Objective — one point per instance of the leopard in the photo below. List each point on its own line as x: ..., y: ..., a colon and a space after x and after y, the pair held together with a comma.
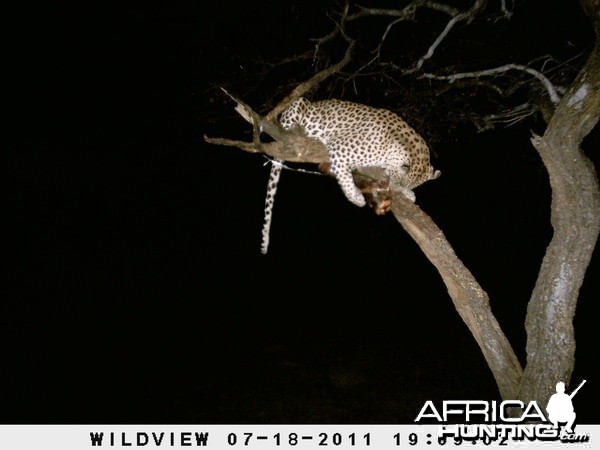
x: 358, y: 135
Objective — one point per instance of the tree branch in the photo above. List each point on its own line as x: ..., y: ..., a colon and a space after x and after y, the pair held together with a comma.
x: 552, y: 92
x: 289, y: 145
x: 316, y: 79
x: 467, y: 15
x: 508, y: 117
x: 505, y: 12
x: 297, y: 147
x: 407, y: 12
x: 469, y: 299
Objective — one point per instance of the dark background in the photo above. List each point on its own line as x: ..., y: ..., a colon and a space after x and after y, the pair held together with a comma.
x: 136, y: 292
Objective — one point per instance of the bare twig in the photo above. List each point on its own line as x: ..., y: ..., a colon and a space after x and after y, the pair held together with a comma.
x: 467, y: 15
x: 552, y: 92
x: 513, y: 115
x: 377, y: 51
x: 505, y: 12
x: 291, y: 169
x: 402, y: 14
x: 508, y: 117
x: 407, y: 11
x: 317, y: 78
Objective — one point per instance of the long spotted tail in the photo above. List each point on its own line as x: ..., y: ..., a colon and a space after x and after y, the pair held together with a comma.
x: 269, y: 203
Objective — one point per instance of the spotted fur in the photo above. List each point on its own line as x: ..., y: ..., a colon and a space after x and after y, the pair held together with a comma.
x: 357, y: 136
x: 269, y: 203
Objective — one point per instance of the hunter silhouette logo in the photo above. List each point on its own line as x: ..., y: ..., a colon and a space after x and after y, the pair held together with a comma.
x: 507, y: 420
x: 560, y: 407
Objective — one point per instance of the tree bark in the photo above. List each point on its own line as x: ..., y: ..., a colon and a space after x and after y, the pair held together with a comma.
x: 575, y: 218
x: 470, y: 300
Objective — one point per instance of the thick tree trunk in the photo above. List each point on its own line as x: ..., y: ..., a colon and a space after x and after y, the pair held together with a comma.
x: 575, y: 217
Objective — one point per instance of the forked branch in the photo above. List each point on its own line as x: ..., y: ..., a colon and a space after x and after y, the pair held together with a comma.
x: 292, y: 145
x: 470, y: 300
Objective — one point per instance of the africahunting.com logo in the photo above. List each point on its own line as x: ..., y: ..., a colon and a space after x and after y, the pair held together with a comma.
x: 510, y: 420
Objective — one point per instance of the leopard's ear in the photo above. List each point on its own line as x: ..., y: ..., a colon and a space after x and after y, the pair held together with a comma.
x: 436, y: 174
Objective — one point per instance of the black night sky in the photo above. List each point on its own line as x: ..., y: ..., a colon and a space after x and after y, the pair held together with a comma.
x: 135, y: 291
